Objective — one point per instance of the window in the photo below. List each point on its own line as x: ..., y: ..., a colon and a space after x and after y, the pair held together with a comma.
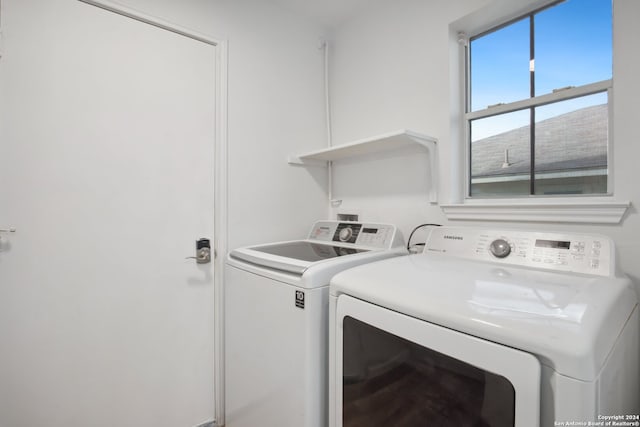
x: 537, y: 103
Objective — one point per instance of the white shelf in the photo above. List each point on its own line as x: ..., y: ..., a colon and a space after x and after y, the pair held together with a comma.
x: 389, y: 141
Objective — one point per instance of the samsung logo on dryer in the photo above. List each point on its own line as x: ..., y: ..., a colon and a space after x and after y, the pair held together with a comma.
x: 450, y: 237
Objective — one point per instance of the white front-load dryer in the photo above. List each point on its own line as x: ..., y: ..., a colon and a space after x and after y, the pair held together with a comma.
x: 487, y: 328
x: 276, y: 321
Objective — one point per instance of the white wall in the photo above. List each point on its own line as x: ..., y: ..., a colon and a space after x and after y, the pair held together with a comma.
x: 276, y: 108
x: 390, y: 70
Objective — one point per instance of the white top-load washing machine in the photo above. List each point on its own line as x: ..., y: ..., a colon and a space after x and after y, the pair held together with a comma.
x: 276, y: 321
x: 486, y: 328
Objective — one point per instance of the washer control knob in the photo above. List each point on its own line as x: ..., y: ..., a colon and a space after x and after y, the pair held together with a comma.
x: 500, y: 248
x: 345, y: 234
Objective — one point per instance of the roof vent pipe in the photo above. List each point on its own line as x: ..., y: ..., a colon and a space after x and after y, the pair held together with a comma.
x: 506, y: 163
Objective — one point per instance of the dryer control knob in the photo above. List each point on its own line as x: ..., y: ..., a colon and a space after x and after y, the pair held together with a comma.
x: 345, y: 234
x: 500, y: 248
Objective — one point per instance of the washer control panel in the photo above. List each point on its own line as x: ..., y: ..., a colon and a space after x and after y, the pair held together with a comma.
x: 383, y: 236
x: 590, y: 254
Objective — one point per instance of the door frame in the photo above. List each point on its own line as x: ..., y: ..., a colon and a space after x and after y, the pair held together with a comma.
x: 220, y: 209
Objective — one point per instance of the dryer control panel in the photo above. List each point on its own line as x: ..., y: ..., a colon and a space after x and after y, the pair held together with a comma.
x: 382, y: 236
x: 590, y: 254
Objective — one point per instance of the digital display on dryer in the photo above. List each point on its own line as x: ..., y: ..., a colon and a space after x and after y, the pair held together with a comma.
x: 370, y: 230
x: 554, y: 244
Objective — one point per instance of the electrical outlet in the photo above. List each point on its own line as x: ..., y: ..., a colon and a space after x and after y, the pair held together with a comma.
x: 347, y: 217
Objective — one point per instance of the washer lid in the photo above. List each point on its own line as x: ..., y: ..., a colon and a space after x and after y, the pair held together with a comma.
x: 570, y: 321
x: 328, y: 242
x: 293, y: 256
x: 307, y: 251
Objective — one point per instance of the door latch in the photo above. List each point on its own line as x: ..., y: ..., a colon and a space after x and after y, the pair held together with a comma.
x: 7, y: 231
x: 203, y: 251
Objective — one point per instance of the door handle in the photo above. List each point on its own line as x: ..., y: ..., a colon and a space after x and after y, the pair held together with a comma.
x: 203, y: 251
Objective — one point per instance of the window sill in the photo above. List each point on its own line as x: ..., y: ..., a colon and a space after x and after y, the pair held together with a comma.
x: 582, y: 212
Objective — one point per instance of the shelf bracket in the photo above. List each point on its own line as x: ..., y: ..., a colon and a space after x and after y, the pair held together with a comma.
x: 432, y: 151
x: 297, y: 161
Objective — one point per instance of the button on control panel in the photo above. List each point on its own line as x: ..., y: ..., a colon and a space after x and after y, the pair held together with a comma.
x: 551, y: 251
x: 347, y: 232
x: 500, y: 248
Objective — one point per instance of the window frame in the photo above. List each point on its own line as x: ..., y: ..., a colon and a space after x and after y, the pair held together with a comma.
x: 558, y: 95
x: 579, y: 208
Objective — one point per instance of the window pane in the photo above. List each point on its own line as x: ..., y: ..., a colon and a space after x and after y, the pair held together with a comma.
x: 571, y: 146
x: 500, y: 66
x: 573, y: 44
x: 501, y: 155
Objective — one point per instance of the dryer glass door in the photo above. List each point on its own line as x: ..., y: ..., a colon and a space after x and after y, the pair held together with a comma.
x: 399, y: 371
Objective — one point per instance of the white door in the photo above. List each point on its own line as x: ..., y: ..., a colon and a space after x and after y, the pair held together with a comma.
x: 107, y: 131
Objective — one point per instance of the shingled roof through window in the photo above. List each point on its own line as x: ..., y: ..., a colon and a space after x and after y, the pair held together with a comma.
x: 568, y: 142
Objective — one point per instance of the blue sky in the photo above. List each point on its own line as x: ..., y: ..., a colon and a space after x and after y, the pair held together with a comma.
x: 573, y: 43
